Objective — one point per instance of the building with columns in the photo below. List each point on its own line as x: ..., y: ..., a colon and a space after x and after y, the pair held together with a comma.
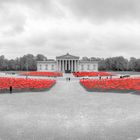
x: 67, y: 63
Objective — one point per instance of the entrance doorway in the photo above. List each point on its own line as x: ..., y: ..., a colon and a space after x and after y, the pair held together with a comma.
x: 67, y: 71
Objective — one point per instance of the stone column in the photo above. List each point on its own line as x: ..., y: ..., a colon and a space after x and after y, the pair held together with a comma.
x: 60, y: 65
x: 72, y: 65
x: 69, y: 64
x: 63, y: 66
x: 66, y: 64
x: 57, y: 65
x: 76, y: 65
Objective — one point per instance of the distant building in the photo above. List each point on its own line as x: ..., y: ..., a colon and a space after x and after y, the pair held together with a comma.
x: 67, y: 63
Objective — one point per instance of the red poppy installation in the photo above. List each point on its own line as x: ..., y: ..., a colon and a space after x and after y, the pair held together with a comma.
x: 91, y: 74
x: 19, y: 84
x: 36, y: 73
x: 126, y: 84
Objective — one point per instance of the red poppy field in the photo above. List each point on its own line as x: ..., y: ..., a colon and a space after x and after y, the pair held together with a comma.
x: 91, y: 74
x: 128, y: 84
x: 49, y: 74
x: 22, y: 84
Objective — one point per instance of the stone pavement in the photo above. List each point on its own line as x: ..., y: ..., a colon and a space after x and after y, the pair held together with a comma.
x: 68, y: 112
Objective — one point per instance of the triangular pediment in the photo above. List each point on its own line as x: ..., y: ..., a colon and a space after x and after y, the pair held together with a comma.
x: 67, y: 56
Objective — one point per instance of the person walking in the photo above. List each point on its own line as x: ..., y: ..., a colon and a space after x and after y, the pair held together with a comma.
x: 11, y: 88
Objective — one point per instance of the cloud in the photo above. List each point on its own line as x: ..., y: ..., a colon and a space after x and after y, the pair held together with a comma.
x: 82, y: 27
x: 13, y: 20
x: 104, y: 9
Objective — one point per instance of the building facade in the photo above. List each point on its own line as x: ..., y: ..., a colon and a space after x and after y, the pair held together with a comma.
x: 67, y: 63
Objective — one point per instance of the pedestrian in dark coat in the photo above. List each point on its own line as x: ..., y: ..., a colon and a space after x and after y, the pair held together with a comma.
x: 11, y: 89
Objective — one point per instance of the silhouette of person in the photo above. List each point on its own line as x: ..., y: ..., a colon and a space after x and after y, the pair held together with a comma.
x: 11, y: 89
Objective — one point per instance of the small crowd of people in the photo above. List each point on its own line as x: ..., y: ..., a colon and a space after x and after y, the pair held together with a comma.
x: 100, y: 77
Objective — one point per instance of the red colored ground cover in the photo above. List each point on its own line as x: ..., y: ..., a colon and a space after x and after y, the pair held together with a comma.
x: 91, y: 74
x: 25, y: 84
x: 36, y: 73
x: 112, y: 84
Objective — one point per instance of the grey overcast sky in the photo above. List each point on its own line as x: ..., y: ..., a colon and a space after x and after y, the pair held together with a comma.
x: 98, y: 28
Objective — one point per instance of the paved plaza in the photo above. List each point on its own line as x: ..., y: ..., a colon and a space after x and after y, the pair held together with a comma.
x: 68, y: 112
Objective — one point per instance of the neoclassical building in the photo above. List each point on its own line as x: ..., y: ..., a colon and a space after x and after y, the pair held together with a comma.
x: 67, y: 63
